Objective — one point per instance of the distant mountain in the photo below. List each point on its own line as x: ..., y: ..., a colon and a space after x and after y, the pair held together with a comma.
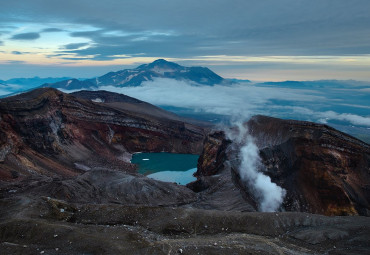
x: 319, y: 84
x: 239, y: 81
x: 16, y: 85
x: 147, y: 72
x: 32, y: 82
x: 71, y: 84
x: 284, y: 83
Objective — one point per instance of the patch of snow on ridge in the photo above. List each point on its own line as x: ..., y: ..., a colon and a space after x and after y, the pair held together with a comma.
x: 161, y: 70
x: 130, y: 77
x: 98, y: 100
x: 82, y: 167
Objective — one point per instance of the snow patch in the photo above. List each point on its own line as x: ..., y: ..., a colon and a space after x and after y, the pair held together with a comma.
x: 98, y: 100
x: 82, y: 167
x: 162, y: 70
x: 110, y: 134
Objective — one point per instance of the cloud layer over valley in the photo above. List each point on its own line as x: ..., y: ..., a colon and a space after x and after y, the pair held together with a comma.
x: 246, y: 99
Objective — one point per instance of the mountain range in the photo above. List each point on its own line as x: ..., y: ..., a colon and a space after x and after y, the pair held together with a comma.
x: 160, y: 68
x: 32, y: 82
x: 147, y: 72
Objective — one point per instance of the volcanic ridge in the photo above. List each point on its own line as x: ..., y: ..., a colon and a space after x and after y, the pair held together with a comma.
x: 67, y: 185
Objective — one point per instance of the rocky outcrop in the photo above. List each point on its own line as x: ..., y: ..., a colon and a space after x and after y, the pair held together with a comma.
x: 322, y: 170
x: 213, y: 155
x: 50, y: 133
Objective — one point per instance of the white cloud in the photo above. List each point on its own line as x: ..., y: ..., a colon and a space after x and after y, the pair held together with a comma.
x: 352, y: 118
x: 237, y: 100
x: 325, y: 116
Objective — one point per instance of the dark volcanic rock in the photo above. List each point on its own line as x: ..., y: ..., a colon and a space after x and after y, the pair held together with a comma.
x: 73, y: 190
x: 67, y: 187
x: 46, y: 225
x: 50, y: 133
x: 138, y: 107
x: 104, y: 186
x: 323, y: 170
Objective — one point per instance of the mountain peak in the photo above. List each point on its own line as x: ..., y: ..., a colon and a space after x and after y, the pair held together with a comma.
x: 159, y: 68
x: 161, y: 63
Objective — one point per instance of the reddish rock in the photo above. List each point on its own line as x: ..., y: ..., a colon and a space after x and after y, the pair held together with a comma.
x: 47, y: 132
x: 213, y: 155
x: 323, y: 170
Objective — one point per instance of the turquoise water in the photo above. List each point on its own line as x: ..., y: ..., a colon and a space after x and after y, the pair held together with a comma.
x: 168, y: 167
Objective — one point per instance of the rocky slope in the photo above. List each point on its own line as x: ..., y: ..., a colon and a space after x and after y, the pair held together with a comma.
x: 147, y: 72
x: 67, y: 187
x: 126, y: 103
x: 322, y: 170
x: 51, y: 133
x: 34, y: 224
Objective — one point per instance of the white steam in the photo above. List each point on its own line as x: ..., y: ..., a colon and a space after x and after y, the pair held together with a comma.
x: 269, y: 195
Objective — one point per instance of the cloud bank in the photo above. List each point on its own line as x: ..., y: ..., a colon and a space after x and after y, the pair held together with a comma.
x: 240, y: 100
x: 235, y: 100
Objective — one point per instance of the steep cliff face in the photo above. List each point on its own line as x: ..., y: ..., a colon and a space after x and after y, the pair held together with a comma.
x: 51, y: 133
x: 213, y: 155
x: 322, y: 170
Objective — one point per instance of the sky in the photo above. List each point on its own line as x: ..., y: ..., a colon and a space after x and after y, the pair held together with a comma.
x: 260, y: 40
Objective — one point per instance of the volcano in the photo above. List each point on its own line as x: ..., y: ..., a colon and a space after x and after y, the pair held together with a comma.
x: 67, y: 184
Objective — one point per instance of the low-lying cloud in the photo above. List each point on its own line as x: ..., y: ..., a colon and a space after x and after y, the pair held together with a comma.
x: 238, y: 100
x: 326, y: 116
x: 234, y: 100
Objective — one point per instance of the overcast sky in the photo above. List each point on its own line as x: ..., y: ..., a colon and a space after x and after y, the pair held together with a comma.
x: 249, y: 39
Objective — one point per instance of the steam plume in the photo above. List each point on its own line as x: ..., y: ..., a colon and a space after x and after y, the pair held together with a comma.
x: 269, y: 195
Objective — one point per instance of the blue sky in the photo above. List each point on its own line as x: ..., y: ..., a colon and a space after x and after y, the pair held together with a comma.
x: 247, y: 39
